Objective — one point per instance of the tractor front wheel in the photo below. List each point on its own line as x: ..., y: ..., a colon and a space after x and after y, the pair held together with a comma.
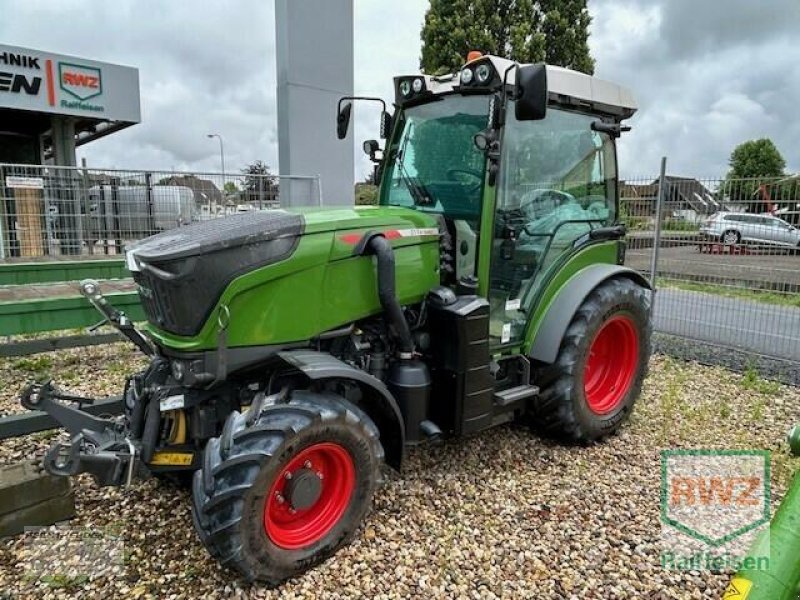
x: 281, y: 491
x: 591, y: 388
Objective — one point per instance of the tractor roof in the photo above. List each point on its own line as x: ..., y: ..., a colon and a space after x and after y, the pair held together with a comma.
x: 565, y: 86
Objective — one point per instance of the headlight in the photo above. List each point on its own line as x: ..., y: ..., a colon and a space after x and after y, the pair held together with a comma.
x: 417, y: 86
x: 466, y: 76
x: 482, y: 73
x: 405, y: 87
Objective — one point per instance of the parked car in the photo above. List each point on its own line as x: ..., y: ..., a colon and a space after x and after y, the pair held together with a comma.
x: 135, y: 213
x: 734, y: 228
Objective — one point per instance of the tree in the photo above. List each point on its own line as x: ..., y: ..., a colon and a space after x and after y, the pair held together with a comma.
x: 366, y: 192
x: 752, y: 165
x: 230, y: 187
x: 259, y: 183
x: 756, y: 158
x: 552, y: 31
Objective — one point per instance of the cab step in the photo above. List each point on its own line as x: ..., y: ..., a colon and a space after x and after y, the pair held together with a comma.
x: 511, y: 397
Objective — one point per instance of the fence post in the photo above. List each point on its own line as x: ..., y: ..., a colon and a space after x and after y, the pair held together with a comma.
x: 151, y: 224
x: 3, y: 213
x: 662, y: 186
x: 115, y: 185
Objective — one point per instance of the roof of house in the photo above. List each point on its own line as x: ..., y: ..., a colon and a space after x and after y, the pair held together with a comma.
x: 685, y: 190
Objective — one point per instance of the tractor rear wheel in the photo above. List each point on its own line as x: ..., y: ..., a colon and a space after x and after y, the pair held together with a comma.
x: 281, y: 491
x: 591, y: 388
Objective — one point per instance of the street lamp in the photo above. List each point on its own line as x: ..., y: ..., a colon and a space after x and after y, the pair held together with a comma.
x: 221, y: 151
x: 221, y: 159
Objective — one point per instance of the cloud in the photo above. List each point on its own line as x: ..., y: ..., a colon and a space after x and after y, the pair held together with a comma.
x: 708, y: 75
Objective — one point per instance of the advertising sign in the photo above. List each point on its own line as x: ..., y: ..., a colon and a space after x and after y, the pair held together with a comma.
x: 65, y: 85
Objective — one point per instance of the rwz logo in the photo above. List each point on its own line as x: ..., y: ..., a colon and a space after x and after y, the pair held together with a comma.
x: 80, y: 81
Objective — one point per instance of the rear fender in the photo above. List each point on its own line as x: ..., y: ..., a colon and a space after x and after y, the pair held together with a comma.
x: 547, y: 340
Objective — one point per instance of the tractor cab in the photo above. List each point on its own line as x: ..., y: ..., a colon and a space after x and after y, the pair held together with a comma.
x: 519, y: 161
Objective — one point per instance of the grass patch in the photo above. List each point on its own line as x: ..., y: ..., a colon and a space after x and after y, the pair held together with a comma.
x: 37, y: 366
x: 34, y: 364
x: 764, y: 296
x: 64, y: 581
x: 753, y: 382
x: 784, y: 467
x: 679, y: 225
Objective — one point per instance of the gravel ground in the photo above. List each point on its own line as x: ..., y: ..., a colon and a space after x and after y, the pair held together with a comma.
x: 502, y: 514
x: 706, y: 353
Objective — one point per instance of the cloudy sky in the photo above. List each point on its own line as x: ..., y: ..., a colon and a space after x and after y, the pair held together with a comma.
x: 708, y: 74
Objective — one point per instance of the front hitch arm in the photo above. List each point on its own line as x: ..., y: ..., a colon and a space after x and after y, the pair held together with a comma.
x: 97, y: 446
x: 116, y: 318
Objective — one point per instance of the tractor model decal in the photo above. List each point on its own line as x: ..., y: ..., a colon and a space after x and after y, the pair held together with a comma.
x: 392, y: 234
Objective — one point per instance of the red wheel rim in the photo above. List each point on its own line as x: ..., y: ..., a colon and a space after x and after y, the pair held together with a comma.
x: 293, y: 528
x: 611, y: 365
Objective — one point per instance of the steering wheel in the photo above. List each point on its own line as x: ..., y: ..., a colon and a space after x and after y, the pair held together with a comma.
x: 477, y: 176
x: 559, y: 198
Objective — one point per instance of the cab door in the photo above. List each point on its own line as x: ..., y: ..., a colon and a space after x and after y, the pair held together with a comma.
x: 557, y: 182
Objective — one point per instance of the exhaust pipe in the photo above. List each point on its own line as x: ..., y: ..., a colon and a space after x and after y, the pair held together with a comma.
x: 382, y: 249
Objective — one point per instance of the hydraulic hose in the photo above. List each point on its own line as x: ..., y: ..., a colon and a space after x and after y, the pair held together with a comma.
x: 382, y: 249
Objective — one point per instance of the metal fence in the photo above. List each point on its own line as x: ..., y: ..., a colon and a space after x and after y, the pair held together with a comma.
x: 725, y: 259
x: 724, y: 255
x: 48, y: 211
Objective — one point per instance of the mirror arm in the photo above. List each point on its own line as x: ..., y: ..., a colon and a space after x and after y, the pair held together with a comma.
x: 384, y: 113
x: 612, y: 129
x: 506, y: 95
x: 367, y: 98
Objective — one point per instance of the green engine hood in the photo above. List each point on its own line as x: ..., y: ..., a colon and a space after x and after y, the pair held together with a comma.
x: 318, y: 220
x: 322, y: 284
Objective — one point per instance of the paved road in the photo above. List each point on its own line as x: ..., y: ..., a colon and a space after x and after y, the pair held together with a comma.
x: 753, y: 326
x: 775, y: 271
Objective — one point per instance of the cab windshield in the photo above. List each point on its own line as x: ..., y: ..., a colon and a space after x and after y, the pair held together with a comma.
x: 433, y: 165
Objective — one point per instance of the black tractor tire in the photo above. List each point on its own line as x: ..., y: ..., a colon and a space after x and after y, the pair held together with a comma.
x: 568, y: 405
x: 253, y: 455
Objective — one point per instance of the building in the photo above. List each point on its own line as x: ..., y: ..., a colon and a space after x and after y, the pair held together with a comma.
x: 684, y: 197
x: 51, y: 103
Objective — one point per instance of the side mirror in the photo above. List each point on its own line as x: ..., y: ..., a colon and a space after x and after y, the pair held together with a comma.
x: 370, y: 148
x: 386, y: 125
x: 487, y: 142
x: 481, y: 141
x: 343, y: 120
x: 531, y: 93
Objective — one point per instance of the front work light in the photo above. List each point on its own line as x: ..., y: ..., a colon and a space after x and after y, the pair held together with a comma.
x: 483, y: 73
x: 417, y: 86
x: 405, y: 87
x: 466, y: 76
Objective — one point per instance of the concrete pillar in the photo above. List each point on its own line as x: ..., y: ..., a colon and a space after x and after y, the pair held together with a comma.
x: 63, y: 141
x: 314, y: 56
x: 67, y: 198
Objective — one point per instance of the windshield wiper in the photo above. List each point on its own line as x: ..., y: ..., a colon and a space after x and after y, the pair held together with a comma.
x: 418, y: 191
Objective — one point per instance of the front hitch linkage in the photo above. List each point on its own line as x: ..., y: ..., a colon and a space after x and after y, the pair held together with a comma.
x: 97, y: 446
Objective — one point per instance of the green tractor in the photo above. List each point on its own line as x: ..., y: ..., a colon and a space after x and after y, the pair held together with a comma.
x: 295, y: 351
